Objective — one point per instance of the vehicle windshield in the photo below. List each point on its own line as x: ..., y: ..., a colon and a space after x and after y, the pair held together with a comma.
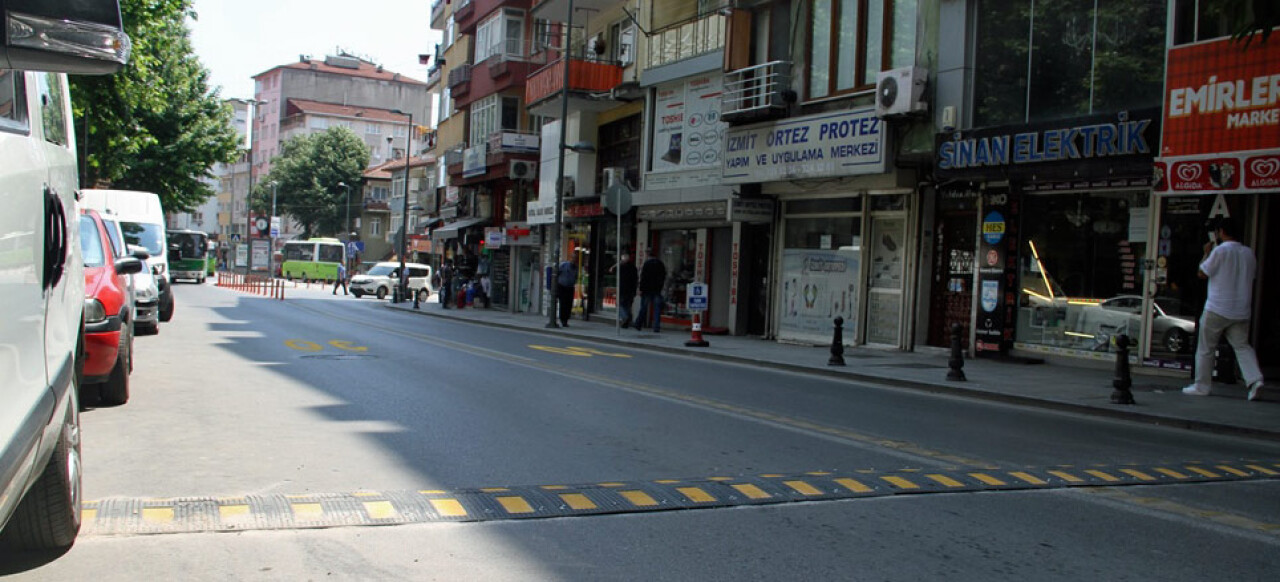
x: 91, y: 243
x: 147, y: 236
x: 190, y: 245
x: 382, y: 270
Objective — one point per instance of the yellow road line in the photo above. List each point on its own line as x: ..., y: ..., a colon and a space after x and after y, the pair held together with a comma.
x: 307, y: 510
x: 1028, y: 477
x: 1170, y: 472
x: 695, y: 494
x: 1263, y: 470
x: 803, y: 488
x: 157, y: 514
x: 577, y: 501
x: 1139, y: 474
x: 380, y: 510
x: 854, y: 485
x: 751, y: 491
x: 449, y: 507
x: 1068, y: 477
x: 1205, y: 472
x: 228, y: 512
x: 515, y: 504
x: 899, y: 482
x: 1234, y: 471
x: 985, y: 478
x: 945, y: 480
x: 638, y: 498
x: 88, y: 515
x: 1101, y: 475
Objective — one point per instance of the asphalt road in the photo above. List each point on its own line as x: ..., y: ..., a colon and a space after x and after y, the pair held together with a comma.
x: 331, y: 437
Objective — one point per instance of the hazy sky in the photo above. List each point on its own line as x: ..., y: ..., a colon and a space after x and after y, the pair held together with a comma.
x: 237, y: 39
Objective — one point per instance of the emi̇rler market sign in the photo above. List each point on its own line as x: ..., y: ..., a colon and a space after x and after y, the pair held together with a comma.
x: 827, y: 145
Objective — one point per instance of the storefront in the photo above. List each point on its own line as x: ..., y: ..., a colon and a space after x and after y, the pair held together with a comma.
x: 1063, y: 221
x: 1219, y: 158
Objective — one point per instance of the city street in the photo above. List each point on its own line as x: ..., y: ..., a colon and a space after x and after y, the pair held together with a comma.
x: 329, y: 437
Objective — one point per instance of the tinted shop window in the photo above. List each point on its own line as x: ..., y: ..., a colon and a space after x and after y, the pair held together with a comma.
x: 1080, y: 268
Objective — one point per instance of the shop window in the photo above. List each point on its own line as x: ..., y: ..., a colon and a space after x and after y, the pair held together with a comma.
x: 1039, y: 61
x: 1081, y: 269
x: 678, y: 250
x: 619, y: 147
x: 821, y: 266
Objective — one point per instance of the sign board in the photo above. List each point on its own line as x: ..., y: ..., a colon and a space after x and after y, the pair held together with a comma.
x: 520, y: 142
x: 844, y: 143
x: 750, y: 210
x: 696, y: 296
x: 687, y: 128
x: 475, y: 161
x: 275, y: 226
x: 354, y: 247
x: 261, y: 249
x: 617, y: 199
x: 541, y: 212
x: 494, y: 236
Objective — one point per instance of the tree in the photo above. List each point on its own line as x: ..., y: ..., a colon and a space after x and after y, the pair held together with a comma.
x: 155, y: 125
x: 306, y: 175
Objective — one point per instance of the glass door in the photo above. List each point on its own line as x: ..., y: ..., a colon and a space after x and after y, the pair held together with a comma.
x: 885, y: 280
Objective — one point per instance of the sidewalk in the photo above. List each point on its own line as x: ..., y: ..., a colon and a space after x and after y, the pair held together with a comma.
x: 1049, y: 385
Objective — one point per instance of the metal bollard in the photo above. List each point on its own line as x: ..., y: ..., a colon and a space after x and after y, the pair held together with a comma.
x: 1123, y: 381
x: 837, y: 344
x: 956, y: 363
x: 416, y: 301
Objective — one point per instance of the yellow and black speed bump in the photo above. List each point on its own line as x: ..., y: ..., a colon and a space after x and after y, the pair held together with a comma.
x: 256, y: 512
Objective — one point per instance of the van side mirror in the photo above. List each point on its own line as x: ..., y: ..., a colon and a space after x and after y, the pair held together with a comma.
x: 63, y: 36
x: 139, y: 252
x: 128, y: 265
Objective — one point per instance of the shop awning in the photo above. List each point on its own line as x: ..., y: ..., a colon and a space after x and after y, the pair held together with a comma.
x: 452, y: 229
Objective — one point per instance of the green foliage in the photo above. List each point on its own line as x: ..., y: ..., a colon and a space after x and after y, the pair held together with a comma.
x: 306, y: 176
x: 155, y: 125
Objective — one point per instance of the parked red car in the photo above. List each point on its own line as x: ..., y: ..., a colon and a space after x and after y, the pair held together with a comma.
x: 108, y: 313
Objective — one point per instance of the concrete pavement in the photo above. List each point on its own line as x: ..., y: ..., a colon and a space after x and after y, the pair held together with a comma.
x: 1078, y: 388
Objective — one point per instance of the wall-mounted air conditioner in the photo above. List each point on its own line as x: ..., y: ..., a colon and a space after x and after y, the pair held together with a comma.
x: 901, y: 91
x: 614, y: 176
x: 523, y: 170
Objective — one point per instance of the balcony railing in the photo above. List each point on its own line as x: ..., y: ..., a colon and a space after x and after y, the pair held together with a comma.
x: 685, y: 40
x: 459, y: 77
x: 588, y: 76
x: 434, y: 74
x: 756, y: 91
x: 437, y: 9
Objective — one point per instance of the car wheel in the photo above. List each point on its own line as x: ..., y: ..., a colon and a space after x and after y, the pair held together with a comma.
x: 166, y: 311
x: 49, y: 516
x: 1175, y: 340
x: 116, y: 390
x: 358, y: 294
x: 382, y: 292
x: 146, y: 328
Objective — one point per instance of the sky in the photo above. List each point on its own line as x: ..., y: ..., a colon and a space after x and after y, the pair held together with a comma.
x: 237, y: 39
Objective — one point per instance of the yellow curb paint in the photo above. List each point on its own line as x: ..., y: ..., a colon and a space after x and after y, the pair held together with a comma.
x: 611, y: 484
x: 494, y: 489
x: 515, y: 504
x: 945, y: 480
x: 1170, y: 472
x: 380, y: 510
x: 1204, y: 472
x: 88, y: 515
x: 818, y: 473
x: 638, y: 498
x: 449, y: 507
x: 719, y: 478
x: 771, y: 475
x: 554, y: 487
x: 307, y: 510
x: 1104, y: 476
x: 1261, y: 469
x: 899, y: 482
x: 1028, y: 477
x: 433, y: 492
x: 853, y: 485
x: 1139, y: 474
x: 985, y: 478
x: 577, y: 501
x: 232, y: 511
x: 751, y: 491
x: 1065, y: 476
x: 1233, y: 471
x: 667, y: 481
x: 803, y: 488
x: 157, y: 514
x: 696, y: 494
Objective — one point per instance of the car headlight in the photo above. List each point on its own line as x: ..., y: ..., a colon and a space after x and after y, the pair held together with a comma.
x: 145, y: 294
x: 94, y: 312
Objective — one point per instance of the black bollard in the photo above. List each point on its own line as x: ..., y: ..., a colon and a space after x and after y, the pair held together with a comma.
x: 956, y: 363
x: 416, y: 294
x: 1122, y: 382
x: 837, y: 344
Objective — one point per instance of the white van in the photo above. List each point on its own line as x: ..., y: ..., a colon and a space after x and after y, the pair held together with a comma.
x: 142, y: 221
x: 42, y: 279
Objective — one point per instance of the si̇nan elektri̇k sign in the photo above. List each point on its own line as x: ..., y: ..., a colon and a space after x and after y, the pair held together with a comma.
x: 1221, y: 118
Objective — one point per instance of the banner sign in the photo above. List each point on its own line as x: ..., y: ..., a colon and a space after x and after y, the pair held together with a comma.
x: 687, y: 127
x: 828, y: 145
x: 475, y: 161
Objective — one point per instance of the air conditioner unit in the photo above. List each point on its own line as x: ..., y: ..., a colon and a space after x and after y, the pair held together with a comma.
x: 522, y: 170
x: 614, y: 176
x: 901, y: 91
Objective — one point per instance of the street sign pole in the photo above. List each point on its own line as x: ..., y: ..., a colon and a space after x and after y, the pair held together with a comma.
x: 617, y: 199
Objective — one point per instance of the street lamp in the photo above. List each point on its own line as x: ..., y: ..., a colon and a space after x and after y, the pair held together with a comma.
x: 253, y: 105
x: 271, y: 234
x: 346, y: 225
x: 404, y: 223
x: 554, y: 304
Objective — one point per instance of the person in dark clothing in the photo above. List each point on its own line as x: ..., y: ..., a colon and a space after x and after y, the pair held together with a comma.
x: 341, y: 280
x: 566, y: 278
x: 628, y: 279
x: 653, y: 275
x: 446, y: 284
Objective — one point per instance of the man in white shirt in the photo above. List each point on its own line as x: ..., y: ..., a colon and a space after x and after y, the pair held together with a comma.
x: 1230, y: 268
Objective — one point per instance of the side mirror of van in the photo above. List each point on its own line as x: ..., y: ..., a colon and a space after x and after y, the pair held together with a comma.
x: 63, y: 36
x: 129, y: 265
x: 139, y: 252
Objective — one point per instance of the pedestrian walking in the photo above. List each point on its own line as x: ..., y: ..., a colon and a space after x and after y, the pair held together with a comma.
x: 653, y: 275
x: 446, y: 284
x: 628, y: 279
x: 1230, y: 268
x: 566, y: 279
x: 341, y: 281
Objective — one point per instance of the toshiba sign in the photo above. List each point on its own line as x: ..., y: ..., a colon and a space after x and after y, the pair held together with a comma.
x: 1222, y: 118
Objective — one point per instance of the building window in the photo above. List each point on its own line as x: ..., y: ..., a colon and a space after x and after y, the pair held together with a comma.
x: 372, y: 128
x: 491, y: 114
x: 501, y: 35
x: 318, y: 123
x: 375, y: 226
x: 1053, y: 61
x: 852, y: 40
x: 446, y: 105
x: 449, y: 32
x: 379, y: 193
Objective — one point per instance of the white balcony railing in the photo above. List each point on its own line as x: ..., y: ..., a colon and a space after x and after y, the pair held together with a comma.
x: 686, y: 40
x: 756, y: 89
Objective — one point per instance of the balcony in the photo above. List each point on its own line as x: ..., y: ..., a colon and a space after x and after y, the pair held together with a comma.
x: 437, y: 14
x: 757, y: 93
x: 585, y: 77
x: 464, y: 10
x: 468, y: 13
x: 460, y: 80
x: 558, y: 10
x: 686, y: 40
x: 433, y: 76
